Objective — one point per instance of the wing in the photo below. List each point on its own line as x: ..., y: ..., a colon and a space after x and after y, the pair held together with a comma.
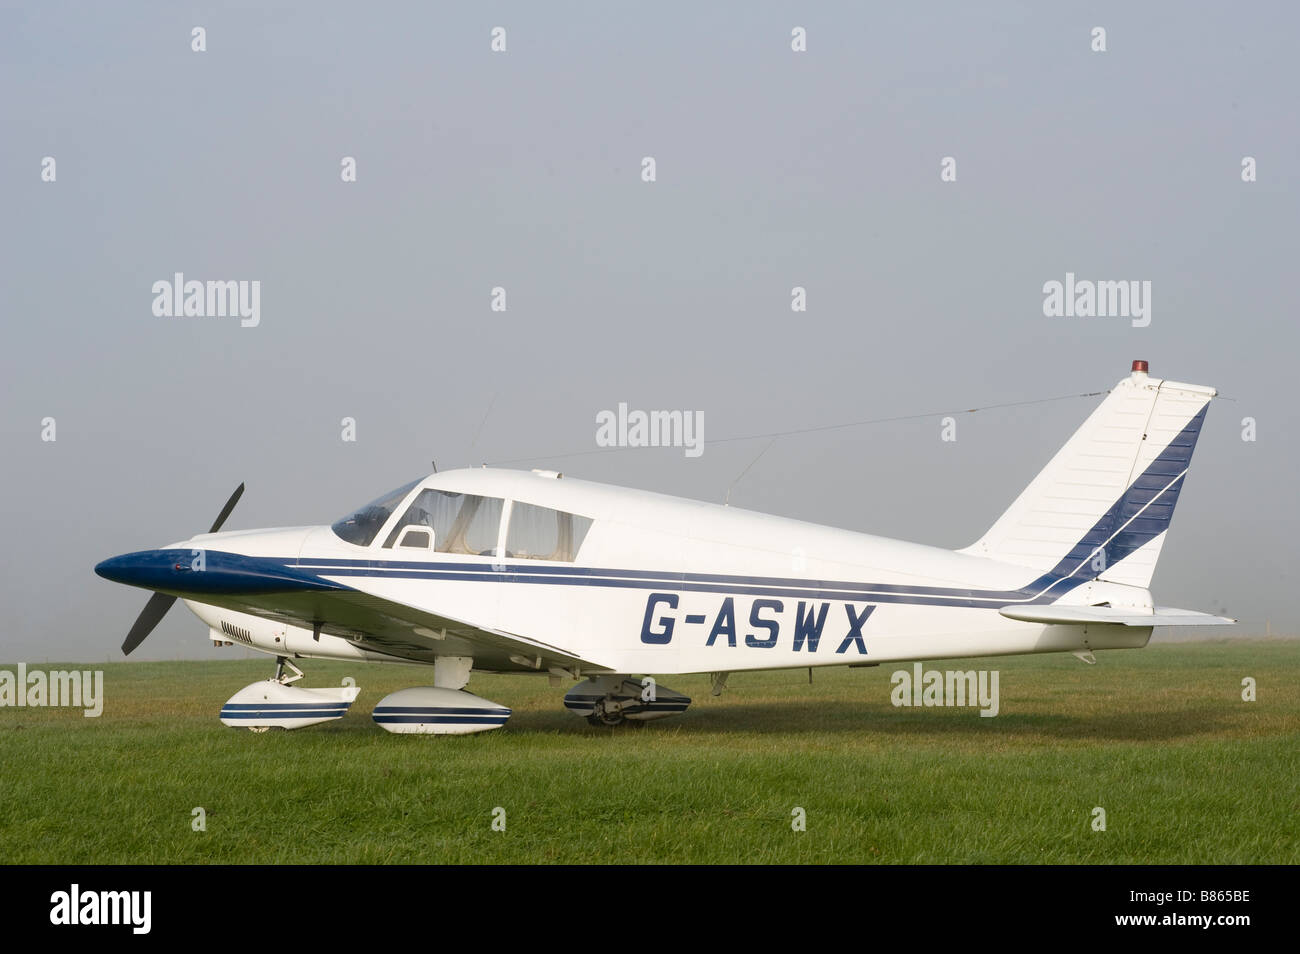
x: 383, y: 625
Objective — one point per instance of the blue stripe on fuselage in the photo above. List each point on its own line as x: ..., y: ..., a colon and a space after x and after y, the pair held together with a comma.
x: 697, y: 583
x: 1141, y: 513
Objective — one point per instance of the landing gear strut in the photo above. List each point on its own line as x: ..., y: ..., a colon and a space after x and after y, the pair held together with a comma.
x: 280, y: 677
x: 280, y: 663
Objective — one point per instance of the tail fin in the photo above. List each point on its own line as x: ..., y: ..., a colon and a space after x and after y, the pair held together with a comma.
x: 1101, y: 507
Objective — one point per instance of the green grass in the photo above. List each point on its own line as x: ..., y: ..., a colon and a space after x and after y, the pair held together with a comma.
x: 1186, y: 771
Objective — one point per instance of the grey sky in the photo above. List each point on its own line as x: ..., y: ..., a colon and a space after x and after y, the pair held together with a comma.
x: 521, y: 169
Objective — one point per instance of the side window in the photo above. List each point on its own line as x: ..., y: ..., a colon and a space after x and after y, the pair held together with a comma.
x: 461, y: 523
x: 539, y: 533
x: 484, y: 524
x: 415, y: 537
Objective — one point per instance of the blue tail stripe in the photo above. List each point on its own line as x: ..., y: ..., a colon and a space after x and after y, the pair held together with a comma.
x: 1152, y: 483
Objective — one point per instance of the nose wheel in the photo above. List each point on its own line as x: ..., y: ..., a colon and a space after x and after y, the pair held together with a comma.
x: 278, y: 704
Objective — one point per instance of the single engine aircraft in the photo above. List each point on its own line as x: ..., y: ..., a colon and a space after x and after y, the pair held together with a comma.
x: 508, y: 571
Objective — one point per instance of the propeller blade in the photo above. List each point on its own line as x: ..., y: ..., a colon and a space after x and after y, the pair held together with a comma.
x: 149, y: 617
x: 225, y: 511
x: 160, y: 603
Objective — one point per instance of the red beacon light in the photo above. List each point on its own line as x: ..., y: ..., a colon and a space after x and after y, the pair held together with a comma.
x: 1140, y: 366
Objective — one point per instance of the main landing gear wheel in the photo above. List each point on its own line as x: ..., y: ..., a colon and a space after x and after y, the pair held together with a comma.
x: 610, y: 700
x: 602, y: 715
x: 610, y: 715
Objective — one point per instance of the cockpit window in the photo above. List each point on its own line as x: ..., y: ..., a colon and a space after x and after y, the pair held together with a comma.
x: 461, y: 523
x: 361, y: 526
x: 539, y: 533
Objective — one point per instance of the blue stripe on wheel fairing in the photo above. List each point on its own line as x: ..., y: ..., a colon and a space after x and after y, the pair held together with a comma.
x: 441, y: 710
x: 275, y: 714
x: 639, y: 707
x: 441, y: 720
x: 284, y: 705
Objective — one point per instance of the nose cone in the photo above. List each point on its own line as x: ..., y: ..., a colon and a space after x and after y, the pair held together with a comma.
x: 200, y: 572
x: 144, y: 568
x: 110, y: 569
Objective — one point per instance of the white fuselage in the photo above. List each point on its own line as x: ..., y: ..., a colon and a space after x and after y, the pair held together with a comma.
x: 668, y: 585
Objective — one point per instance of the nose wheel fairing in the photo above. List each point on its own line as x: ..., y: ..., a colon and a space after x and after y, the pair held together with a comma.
x: 274, y: 705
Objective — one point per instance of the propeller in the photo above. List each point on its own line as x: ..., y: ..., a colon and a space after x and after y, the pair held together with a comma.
x: 160, y: 603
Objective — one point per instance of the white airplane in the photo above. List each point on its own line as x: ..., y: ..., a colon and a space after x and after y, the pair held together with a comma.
x: 510, y: 571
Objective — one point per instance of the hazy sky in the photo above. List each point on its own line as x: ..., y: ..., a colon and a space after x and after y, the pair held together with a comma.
x: 522, y: 169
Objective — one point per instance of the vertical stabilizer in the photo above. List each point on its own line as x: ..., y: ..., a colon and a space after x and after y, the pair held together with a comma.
x: 1102, y: 505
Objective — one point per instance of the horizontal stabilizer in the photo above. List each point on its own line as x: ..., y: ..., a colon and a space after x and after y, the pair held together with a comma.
x: 1121, y: 616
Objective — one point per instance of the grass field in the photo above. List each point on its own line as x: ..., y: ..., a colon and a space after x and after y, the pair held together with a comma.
x: 1160, y: 738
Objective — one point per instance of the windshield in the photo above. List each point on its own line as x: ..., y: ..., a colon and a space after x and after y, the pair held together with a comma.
x: 361, y: 526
